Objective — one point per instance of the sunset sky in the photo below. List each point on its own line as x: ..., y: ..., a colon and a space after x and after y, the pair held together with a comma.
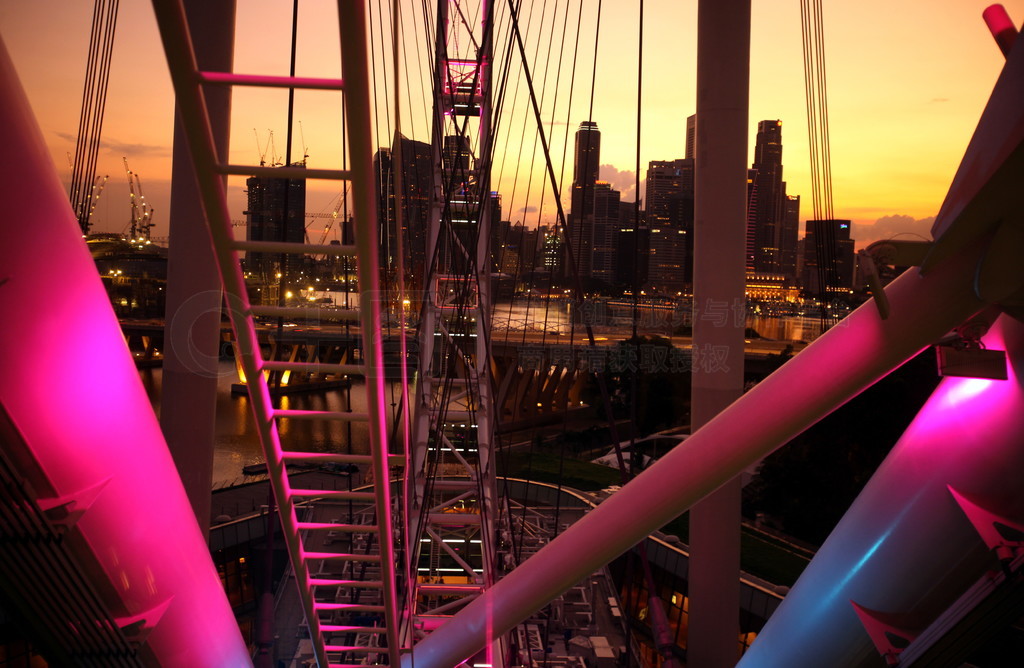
x: 907, y: 83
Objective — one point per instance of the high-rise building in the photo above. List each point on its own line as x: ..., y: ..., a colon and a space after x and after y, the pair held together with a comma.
x: 551, y: 252
x: 667, y: 180
x: 788, y: 231
x: 417, y: 181
x: 668, y: 260
x: 691, y: 136
x: 587, y: 164
x: 586, y: 168
x: 669, y: 218
x: 828, y: 259
x: 770, y: 196
x: 751, y: 229
x: 458, y: 157
x: 275, y: 211
x: 632, y: 249
x: 604, y: 230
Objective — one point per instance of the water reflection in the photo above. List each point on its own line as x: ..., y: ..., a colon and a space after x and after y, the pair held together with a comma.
x: 236, y: 440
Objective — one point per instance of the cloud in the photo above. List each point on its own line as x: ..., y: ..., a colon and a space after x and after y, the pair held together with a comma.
x: 137, y: 150
x: 528, y: 209
x: 123, y: 148
x: 622, y: 180
x: 940, y: 99
x: 888, y: 227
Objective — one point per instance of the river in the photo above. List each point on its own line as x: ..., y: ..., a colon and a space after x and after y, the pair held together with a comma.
x: 236, y: 442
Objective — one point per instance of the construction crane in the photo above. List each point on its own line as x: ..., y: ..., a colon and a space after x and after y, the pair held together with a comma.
x: 98, y: 184
x: 331, y: 217
x: 141, y: 220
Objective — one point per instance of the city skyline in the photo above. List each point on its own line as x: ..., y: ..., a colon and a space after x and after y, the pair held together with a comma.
x: 902, y: 103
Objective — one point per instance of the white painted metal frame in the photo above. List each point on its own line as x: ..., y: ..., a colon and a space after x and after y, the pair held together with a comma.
x: 211, y: 174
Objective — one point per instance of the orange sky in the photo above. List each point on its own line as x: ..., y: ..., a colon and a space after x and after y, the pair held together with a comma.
x: 907, y: 83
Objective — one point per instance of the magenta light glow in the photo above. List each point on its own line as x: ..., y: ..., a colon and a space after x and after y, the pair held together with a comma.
x: 72, y: 391
x: 905, y: 547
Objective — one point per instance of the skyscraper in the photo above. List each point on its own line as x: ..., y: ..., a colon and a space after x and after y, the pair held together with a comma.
x: 604, y: 230
x: 828, y: 262
x: 770, y: 196
x: 670, y: 189
x: 417, y: 181
x: 587, y: 164
x: 788, y: 231
x: 691, y: 136
x: 275, y: 211
x: 586, y: 168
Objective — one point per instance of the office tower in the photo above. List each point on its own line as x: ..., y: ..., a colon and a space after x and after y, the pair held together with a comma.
x: 632, y: 248
x: 770, y: 196
x: 552, y: 252
x: 275, y: 211
x: 586, y: 168
x: 587, y: 164
x: 457, y: 158
x: 691, y: 136
x: 669, y: 218
x: 667, y: 180
x: 751, y: 241
x: 604, y: 230
x: 788, y: 231
x: 828, y: 259
x: 417, y: 181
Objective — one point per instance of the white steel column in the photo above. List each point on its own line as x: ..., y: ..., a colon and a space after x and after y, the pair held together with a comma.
x: 192, y: 329
x: 720, y: 214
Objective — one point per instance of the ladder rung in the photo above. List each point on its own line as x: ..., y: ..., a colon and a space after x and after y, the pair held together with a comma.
x: 333, y: 526
x: 354, y: 584
x: 344, y: 416
x: 336, y: 628
x: 285, y: 172
x: 342, y: 556
x: 293, y: 248
x: 266, y: 81
x: 355, y: 649
x: 307, y: 313
x: 293, y: 457
x: 339, y: 494
x: 354, y: 607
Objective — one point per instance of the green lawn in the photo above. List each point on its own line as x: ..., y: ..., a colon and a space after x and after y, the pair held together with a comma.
x: 542, y: 467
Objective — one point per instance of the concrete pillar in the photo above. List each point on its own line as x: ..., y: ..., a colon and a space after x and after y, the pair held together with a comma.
x: 192, y: 330
x: 723, y: 74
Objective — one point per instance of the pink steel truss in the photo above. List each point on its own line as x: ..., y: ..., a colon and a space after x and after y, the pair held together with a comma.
x: 87, y: 452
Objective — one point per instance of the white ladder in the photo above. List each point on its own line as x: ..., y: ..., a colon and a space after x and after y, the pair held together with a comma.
x: 325, y: 617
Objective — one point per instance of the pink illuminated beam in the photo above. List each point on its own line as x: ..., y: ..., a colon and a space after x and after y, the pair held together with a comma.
x: 1001, y: 27
x: 905, y: 548
x: 78, y: 405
